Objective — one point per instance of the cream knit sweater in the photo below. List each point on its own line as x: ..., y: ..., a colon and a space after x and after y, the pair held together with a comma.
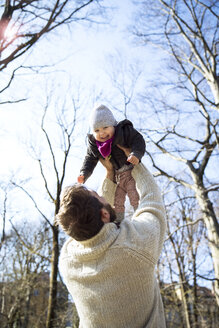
x: 111, y: 276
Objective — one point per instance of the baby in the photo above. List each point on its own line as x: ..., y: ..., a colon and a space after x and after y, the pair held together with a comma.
x: 107, y: 134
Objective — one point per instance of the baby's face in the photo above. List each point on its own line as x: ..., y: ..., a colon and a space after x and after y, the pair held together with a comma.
x: 103, y: 134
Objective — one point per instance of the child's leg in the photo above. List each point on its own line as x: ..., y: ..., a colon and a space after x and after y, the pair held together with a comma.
x: 131, y: 190
x: 120, y: 195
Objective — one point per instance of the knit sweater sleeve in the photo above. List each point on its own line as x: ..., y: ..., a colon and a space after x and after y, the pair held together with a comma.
x: 149, y: 219
x: 108, y: 190
x: 149, y: 192
x: 147, y: 228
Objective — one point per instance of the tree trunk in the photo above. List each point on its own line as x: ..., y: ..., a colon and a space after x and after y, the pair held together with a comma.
x: 183, y: 286
x: 50, y: 321
x: 185, y: 304
x: 212, y: 225
x: 214, y: 85
x: 27, y: 307
x: 195, y: 295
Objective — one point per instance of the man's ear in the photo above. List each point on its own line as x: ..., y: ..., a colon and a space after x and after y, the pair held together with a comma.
x: 105, y: 216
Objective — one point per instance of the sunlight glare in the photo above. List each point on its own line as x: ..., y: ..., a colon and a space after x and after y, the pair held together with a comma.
x: 10, y: 33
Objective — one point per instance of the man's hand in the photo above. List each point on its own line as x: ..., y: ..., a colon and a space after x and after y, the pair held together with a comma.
x: 127, y: 151
x: 130, y: 158
x: 109, y: 168
x: 107, y: 164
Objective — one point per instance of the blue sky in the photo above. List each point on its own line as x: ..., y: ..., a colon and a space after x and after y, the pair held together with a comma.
x: 78, y: 57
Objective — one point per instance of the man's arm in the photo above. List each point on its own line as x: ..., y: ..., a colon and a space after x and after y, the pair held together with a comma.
x: 108, y: 187
x: 147, y: 188
x: 150, y: 218
x: 149, y: 192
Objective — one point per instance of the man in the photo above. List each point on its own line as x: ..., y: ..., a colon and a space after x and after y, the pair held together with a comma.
x: 108, y: 269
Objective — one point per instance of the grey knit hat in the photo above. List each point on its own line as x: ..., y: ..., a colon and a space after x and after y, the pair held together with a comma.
x: 101, y: 116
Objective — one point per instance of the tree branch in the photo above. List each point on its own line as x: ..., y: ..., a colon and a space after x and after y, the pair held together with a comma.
x: 34, y: 202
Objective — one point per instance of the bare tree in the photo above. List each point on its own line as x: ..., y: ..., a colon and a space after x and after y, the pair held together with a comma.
x: 59, y: 151
x: 28, y: 21
x: 25, y: 257
x: 185, y: 240
x: 25, y: 23
x: 125, y: 76
x: 184, y: 259
x: 191, y: 36
x: 3, y: 215
x: 187, y: 122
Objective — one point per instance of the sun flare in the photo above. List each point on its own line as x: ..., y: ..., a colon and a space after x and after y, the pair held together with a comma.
x: 10, y: 33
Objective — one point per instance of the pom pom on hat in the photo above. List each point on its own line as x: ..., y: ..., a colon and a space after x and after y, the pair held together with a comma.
x: 101, y: 116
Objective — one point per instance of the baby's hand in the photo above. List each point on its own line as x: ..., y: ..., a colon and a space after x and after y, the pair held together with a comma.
x: 81, y: 179
x: 133, y: 159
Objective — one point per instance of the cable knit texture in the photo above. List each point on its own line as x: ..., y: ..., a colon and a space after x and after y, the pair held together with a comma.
x: 111, y: 276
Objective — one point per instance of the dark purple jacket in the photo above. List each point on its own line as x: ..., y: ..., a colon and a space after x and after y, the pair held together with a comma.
x: 126, y: 136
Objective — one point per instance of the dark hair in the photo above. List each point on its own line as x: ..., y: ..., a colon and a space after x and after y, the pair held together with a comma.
x: 80, y: 213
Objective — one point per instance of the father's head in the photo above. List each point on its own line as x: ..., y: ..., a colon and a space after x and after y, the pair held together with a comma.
x: 83, y: 212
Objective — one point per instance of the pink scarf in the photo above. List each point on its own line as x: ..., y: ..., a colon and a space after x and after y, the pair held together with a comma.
x: 105, y: 147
